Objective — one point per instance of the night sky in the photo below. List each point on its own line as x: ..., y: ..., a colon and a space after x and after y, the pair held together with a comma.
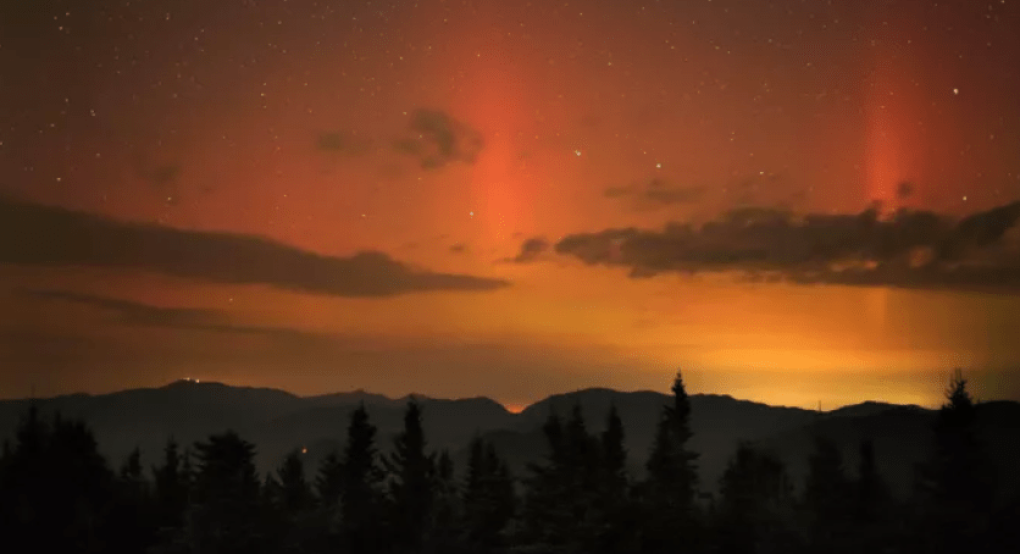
x: 794, y: 201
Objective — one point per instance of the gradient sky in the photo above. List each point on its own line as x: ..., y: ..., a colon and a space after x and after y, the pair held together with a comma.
x: 792, y: 201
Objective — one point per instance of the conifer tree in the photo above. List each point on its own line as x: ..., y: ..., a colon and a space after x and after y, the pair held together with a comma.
x: 756, y: 491
x: 671, y: 486
x: 874, y: 520
x: 489, y: 496
x: 187, y: 471
x: 131, y: 470
x: 547, y: 517
x: 135, y: 509
x: 614, y: 456
x: 56, y: 490
x: 446, y: 507
x: 361, y: 500
x: 872, y: 492
x: 672, y: 466
x: 954, y: 488
x: 411, y: 486
x: 170, y: 488
x: 296, y: 494
x: 502, y: 489
x: 329, y: 481
x: 827, y: 497
x: 617, y: 517
x: 226, y: 470
x: 584, y: 474
x: 227, y: 497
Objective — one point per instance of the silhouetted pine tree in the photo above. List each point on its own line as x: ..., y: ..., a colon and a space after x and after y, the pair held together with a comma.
x: 488, y: 497
x: 547, y: 516
x: 476, y: 501
x: 56, y: 491
x: 135, y: 512
x: 290, y: 507
x: 188, y: 471
x: 170, y: 488
x: 618, y: 521
x: 362, y: 499
x: 296, y: 492
x: 670, y: 488
x: 226, y: 511
x: 872, y: 513
x: 871, y: 490
x: 503, y: 491
x: 827, y: 498
x: 954, y: 486
x: 756, y: 497
x: 614, y: 457
x: 411, y: 484
x: 562, y: 507
x: 445, y: 524
x: 329, y: 481
x: 329, y: 486
x: 585, y: 473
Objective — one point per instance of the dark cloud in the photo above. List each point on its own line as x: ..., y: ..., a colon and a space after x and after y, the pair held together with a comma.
x: 437, y: 139
x: 458, y: 248
x: 530, y: 250
x: 132, y: 313
x: 342, y: 143
x: 904, y: 190
x: 160, y: 172
x: 32, y: 234
x: 916, y: 249
x: 656, y: 193
x: 164, y: 178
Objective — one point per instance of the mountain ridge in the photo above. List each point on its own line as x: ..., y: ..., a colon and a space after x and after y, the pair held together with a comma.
x: 358, y: 394
x: 278, y: 422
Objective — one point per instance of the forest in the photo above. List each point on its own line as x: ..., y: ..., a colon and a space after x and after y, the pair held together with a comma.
x: 59, y: 494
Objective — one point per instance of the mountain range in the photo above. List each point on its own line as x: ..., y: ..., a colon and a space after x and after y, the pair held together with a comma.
x: 278, y: 422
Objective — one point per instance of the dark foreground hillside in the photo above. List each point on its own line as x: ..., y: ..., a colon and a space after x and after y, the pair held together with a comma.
x: 591, y: 471
x: 279, y: 422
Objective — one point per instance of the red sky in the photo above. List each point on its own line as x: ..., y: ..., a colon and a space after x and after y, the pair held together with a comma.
x: 441, y: 136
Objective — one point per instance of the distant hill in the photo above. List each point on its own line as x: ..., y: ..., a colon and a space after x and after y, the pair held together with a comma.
x: 278, y: 422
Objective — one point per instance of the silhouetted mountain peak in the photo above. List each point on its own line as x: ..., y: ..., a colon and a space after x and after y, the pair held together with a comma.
x: 353, y: 398
x: 869, y: 407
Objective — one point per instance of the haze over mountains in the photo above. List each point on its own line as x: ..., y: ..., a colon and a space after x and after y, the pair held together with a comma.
x: 278, y: 422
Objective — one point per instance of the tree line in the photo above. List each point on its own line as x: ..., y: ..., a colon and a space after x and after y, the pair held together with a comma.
x: 58, y: 494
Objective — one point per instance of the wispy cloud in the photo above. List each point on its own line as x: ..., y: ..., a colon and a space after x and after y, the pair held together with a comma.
x: 38, y: 235
x: 531, y: 250
x: 342, y: 142
x: 656, y: 193
x: 128, y: 312
x: 437, y: 139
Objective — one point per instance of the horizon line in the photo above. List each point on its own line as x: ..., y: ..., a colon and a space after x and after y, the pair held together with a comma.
x: 511, y: 407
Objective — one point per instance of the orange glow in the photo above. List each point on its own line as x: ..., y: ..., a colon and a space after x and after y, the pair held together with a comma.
x: 820, y: 108
x: 891, y: 135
